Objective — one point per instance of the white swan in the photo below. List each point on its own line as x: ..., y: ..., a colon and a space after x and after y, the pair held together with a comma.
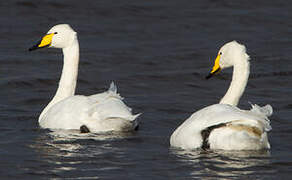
x: 223, y: 125
x: 96, y: 113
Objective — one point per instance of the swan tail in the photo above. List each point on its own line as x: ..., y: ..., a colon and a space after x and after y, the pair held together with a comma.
x: 266, y: 110
x: 113, y: 91
x: 121, y: 124
x: 131, y: 118
x: 263, y: 112
x: 113, y: 88
x: 134, y: 117
x: 110, y: 111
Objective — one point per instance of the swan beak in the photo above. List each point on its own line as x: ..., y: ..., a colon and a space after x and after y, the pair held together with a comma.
x: 44, y: 42
x: 216, y: 68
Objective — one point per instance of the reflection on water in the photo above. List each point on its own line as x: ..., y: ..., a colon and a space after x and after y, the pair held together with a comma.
x: 70, y: 142
x: 224, y: 164
x: 68, y: 150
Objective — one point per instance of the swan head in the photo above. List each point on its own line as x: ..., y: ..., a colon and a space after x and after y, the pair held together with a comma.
x: 59, y: 36
x: 227, y: 57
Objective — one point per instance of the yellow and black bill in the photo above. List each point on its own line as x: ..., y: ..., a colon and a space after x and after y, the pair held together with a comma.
x: 216, y: 68
x: 46, y: 41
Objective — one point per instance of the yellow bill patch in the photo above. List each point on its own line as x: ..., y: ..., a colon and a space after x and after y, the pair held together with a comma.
x: 46, y: 40
x: 216, y: 66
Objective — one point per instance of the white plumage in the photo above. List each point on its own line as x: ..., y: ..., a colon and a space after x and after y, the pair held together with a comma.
x: 98, y: 113
x: 223, y: 125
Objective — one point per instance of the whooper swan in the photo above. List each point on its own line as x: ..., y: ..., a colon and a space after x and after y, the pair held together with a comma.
x: 96, y: 113
x: 225, y: 126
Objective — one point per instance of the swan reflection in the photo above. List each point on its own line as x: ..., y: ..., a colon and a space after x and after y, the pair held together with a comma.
x: 223, y: 164
x: 73, y: 143
x: 65, y: 151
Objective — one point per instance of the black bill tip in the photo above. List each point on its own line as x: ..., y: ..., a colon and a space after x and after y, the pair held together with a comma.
x: 33, y: 48
x: 209, y: 76
x: 212, y: 73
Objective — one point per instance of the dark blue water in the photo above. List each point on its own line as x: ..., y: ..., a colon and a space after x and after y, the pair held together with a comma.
x: 158, y: 53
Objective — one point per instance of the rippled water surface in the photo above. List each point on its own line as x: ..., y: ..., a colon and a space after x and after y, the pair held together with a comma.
x: 158, y: 53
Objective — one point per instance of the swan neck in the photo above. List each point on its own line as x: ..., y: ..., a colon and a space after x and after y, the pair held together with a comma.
x: 240, y: 76
x: 68, y: 80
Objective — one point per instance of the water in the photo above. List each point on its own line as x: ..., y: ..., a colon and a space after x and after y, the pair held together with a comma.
x: 158, y: 52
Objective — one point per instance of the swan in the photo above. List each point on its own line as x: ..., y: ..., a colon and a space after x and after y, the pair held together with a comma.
x: 96, y: 113
x: 225, y: 126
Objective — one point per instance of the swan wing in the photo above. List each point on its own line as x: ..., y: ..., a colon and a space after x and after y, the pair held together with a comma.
x: 100, y: 112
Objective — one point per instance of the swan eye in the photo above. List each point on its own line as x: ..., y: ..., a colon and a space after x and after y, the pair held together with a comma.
x: 55, y: 32
x: 220, y: 53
